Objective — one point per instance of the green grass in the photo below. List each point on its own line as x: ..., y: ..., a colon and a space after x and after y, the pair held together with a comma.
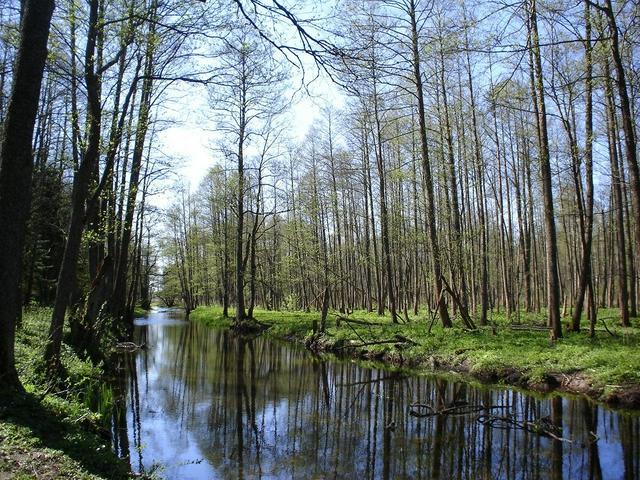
x: 605, y: 362
x: 138, y: 311
x: 49, y: 431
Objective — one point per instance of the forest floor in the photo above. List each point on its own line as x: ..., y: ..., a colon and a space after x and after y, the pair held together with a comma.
x: 605, y: 368
x: 49, y: 432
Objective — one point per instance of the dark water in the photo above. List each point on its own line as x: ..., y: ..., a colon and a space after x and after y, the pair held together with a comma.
x: 200, y: 403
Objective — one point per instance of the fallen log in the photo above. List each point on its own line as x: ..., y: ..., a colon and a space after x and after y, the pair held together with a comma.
x: 399, y: 339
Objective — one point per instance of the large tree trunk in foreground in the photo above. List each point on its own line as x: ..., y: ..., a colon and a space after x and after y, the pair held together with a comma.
x: 16, y: 165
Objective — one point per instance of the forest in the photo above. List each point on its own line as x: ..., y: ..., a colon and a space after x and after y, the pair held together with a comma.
x: 440, y: 185
x: 467, y: 172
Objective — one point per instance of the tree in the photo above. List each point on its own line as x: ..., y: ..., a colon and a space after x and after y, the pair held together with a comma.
x: 16, y: 165
x: 625, y: 107
x: 537, y: 87
x: 246, y: 95
x: 586, y: 221
x: 426, y: 168
x: 85, y: 173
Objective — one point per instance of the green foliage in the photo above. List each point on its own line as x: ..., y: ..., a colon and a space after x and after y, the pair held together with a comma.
x: 212, y: 316
x: 49, y: 431
x: 138, y: 311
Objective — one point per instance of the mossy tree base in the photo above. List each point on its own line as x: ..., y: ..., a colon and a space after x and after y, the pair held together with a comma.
x: 248, y: 326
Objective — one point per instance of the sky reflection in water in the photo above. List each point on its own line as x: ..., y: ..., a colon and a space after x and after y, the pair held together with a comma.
x: 199, y: 403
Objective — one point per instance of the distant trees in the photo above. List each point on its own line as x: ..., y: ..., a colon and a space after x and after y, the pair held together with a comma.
x: 458, y: 152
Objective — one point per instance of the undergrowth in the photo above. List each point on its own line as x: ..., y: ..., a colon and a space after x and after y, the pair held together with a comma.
x: 49, y: 431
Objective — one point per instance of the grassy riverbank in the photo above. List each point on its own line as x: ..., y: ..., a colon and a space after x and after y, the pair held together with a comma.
x: 49, y: 432
x: 605, y: 368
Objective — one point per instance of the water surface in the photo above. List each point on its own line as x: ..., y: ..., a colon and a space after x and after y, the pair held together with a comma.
x: 200, y: 403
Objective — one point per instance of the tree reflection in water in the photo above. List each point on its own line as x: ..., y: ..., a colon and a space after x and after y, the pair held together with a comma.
x: 202, y: 403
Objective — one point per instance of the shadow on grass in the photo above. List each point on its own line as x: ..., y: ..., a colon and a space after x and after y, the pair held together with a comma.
x: 79, y: 439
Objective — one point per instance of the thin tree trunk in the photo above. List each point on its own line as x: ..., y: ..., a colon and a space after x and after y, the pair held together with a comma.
x: 79, y: 194
x: 480, y: 203
x: 426, y: 171
x: 253, y: 260
x: 384, y: 216
x: 618, y: 207
x: 553, y: 282
x: 117, y: 303
x: 587, y: 237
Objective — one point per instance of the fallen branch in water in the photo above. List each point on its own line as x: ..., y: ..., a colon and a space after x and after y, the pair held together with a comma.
x: 129, y: 347
x: 453, y: 410
x: 542, y: 426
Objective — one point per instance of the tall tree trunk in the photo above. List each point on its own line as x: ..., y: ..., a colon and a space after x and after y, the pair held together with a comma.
x: 618, y: 206
x: 240, y: 264
x: 16, y: 165
x: 79, y: 194
x: 367, y: 237
x: 627, y: 116
x: 384, y: 214
x: 458, y: 271
x: 118, y: 300
x: 584, y: 282
x: 553, y: 281
x: 480, y: 203
x: 225, y: 262
x: 253, y: 264
x: 374, y: 235
x: 426, y: 172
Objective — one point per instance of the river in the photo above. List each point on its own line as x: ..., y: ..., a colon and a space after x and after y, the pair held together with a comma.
x: 200, y: 403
